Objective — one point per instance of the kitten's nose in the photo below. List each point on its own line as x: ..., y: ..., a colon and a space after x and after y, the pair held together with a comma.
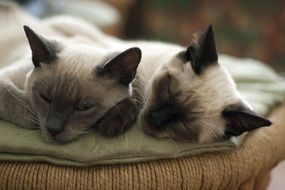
x: 54, y: 131
x: 157, y: 118
x: 54, y: 127
x: 164, y: 114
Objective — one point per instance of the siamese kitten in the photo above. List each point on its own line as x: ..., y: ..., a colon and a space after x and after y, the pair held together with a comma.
x: 67, y: 85
x: 184, y: 93
x: 63, y: 86
x: 191, y: 97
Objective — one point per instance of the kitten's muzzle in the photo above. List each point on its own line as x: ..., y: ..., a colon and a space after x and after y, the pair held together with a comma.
x: 166, y: 113
x: 54, y: 127
x: 56, y: 122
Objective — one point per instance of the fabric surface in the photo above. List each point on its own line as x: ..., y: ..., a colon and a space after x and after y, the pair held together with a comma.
x: 245, y: 168
x: 257, y: 83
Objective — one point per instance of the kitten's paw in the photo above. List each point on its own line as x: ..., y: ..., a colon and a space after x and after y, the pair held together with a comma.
x: 118, y: 119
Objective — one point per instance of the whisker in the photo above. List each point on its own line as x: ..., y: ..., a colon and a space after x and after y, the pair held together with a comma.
x: 216, y: 132
x: 33, y: 120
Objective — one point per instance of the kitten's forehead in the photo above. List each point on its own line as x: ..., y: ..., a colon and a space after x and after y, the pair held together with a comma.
x: 65, y: 87
x: 82, y: 55
x: 179, y: 68
x: 78, y: 61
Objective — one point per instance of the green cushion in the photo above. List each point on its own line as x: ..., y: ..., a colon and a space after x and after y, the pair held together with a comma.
x: 260, y: 85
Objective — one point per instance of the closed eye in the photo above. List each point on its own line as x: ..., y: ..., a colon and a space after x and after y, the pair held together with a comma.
x: 83, y: 107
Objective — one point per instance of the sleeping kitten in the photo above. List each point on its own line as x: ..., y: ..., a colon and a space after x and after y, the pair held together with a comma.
x: 185, y: 93
x: 71, y: 85
x: 66, y: 87
x: 193, y: 98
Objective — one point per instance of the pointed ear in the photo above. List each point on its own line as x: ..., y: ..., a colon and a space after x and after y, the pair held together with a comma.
x: 43, y: 50
x: 241, y: 119
x: 202, y: 51
x: 123, y: 67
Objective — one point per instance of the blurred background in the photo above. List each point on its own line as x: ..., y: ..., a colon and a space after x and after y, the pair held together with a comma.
x: 243, y: 28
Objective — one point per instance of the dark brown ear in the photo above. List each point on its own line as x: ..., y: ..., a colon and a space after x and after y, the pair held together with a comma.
x: 202, y: 51
x: 43, y: 50
x: 123, y: 67
x: 241, y: 119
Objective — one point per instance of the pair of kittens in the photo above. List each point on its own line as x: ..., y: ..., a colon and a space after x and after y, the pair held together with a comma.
x: 89, y: 81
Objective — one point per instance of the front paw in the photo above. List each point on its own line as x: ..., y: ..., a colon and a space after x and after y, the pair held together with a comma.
x: 118, y: 119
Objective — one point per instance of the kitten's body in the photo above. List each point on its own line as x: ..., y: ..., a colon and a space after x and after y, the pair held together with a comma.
x: 184, y: 92
x: 67, y: 86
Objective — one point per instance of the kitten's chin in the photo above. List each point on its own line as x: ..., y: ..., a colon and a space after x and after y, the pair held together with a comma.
x: 175, y: 132
x: 161, y: 131
x: 59, y: 139
x: 151, y: 130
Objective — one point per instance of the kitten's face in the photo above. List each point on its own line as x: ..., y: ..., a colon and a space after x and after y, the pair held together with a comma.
x: 73, y: 90
x: 187, y: 106
x: 192, y: 98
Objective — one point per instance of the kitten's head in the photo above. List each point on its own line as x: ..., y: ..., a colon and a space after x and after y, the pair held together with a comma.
x: 72, y: 86
x: 192, y: 98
